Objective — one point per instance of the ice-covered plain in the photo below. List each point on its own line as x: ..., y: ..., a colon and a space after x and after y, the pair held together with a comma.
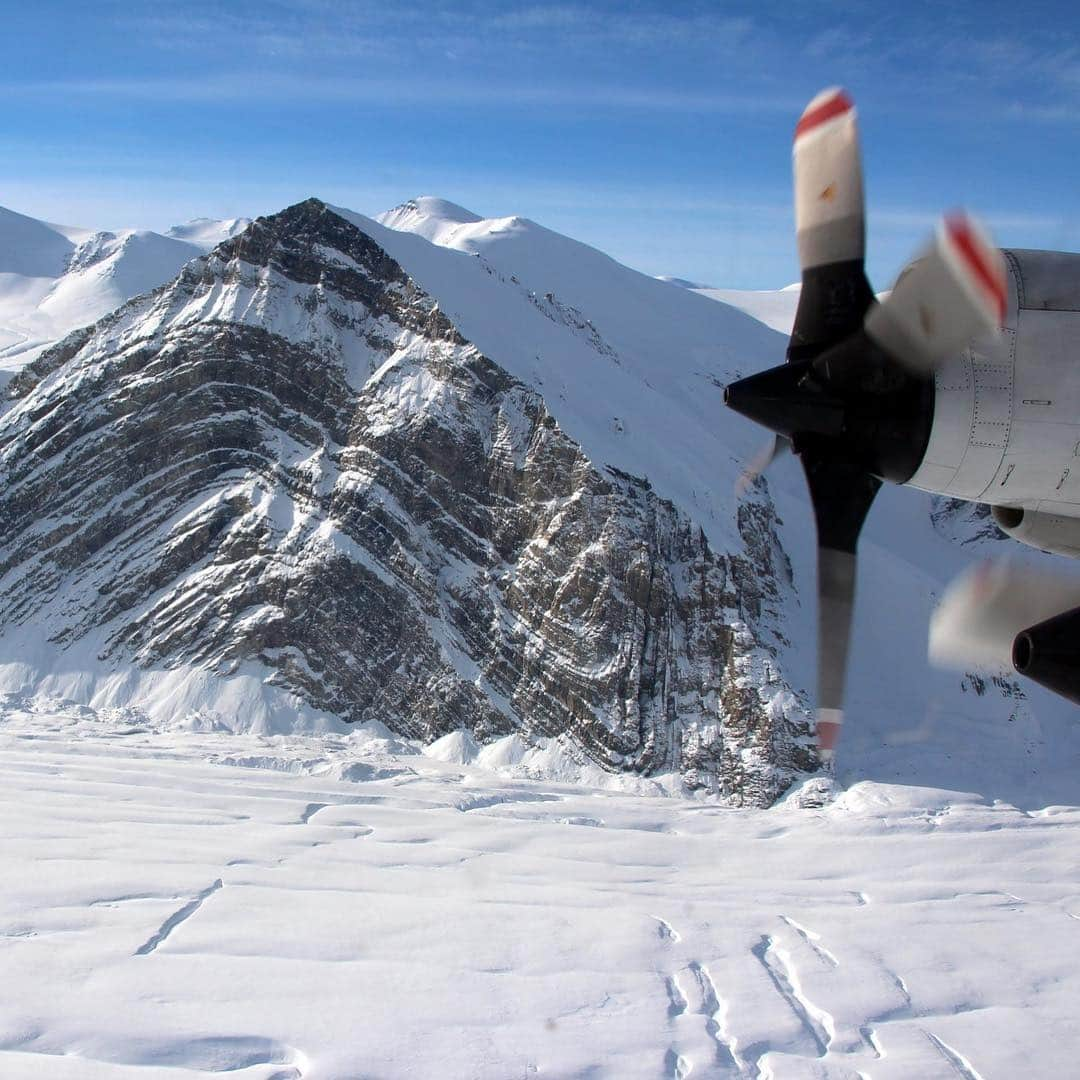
x: 181, y: 904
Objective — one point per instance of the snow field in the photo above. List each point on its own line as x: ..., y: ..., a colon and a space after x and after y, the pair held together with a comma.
x: 178, y: 905
x: 55, y: 279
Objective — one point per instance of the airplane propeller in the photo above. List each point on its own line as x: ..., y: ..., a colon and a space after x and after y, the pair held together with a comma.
x: 855, y: 397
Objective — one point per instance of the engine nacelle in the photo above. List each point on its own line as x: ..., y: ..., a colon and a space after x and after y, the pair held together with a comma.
x: 1006, y: 427
x: 1049, y: 653
x: 1048, y: 532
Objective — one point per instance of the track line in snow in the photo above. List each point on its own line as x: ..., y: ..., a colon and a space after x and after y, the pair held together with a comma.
x: 666, y: 931
x: 714, y: 1009
x: 677, y: 1003
x: 957, y: 1060
x: 207, y: 1055
x: 811, y: 937
x: 176, y: 918
x: 902, y: 988
x: 311, y: 810
x: 113, y: 901
x: 485, y: 802
x: 676, y: 1067
x: 870, y: 1037
x: 818, y: 1023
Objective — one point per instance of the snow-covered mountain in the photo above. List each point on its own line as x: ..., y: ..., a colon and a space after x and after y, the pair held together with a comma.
x: 453, y: 474
x: 55, y: 279
x: 296, y: 483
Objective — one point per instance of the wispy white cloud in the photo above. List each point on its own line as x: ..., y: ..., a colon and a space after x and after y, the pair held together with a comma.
x: 312, y: 25
x: 728, y: 58
x: 285, y: 87
x: 906, y: 219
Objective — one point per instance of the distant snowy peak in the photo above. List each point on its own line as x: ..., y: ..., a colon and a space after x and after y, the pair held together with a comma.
x: 773, y: 307
x: 683, y: 283
x: 415, y: 215
x: 32, y: 248
x: 145, y: 255
x: 206, y: 233
x: 55, y: 278
x: 449, y: 225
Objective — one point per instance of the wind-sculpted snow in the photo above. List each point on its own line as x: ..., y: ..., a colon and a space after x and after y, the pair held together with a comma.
x: 182, y: 905
x: 291, y: 461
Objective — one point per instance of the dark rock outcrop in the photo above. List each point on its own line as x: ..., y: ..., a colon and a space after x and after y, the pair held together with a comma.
x: 291, y: 457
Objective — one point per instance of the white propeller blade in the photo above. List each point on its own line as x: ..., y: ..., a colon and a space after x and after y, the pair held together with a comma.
x: 828, y: 182
x: 954, y: 293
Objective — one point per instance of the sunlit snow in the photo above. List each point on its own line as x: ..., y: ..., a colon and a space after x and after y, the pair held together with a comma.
x: 55, y: 278
x: 182, y: 904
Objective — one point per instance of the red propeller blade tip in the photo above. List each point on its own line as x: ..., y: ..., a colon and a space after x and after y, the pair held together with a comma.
x: 822, y: 109
x: 829, y: 724
x: 978, y: 259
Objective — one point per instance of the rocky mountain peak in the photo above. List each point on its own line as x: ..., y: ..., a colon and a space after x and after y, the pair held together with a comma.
x: 287, y: 484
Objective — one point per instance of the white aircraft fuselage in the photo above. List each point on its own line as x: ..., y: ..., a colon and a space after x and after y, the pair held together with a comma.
x: 1006, y: 427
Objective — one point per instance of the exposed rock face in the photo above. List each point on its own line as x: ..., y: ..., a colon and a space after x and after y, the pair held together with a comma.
x: 290, y: 456
x: 964, y: 522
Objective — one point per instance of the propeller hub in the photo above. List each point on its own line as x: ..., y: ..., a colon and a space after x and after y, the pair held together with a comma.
x: 853, y: 404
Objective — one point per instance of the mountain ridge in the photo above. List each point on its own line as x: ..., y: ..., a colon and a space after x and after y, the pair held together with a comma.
x: 292, y: 461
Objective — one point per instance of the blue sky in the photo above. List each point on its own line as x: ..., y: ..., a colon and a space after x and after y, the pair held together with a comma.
x: 660, y: 133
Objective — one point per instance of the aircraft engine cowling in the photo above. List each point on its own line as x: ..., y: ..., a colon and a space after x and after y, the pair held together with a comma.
x: 1038, y: 529
x: 1006, y: 423
x: 1049, y: 654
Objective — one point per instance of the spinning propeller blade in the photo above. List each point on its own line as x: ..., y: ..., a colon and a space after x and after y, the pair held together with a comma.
x: 855, y: 397
x: 776, y: 446
x: 953, y: 293
x: 829, y: 225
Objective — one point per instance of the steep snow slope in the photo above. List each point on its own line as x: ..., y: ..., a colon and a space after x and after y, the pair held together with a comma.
x: 55, y: 279
x: 108, y: 269
x: 33, y: 255
x: 643, y: 390
x: 34, y: 249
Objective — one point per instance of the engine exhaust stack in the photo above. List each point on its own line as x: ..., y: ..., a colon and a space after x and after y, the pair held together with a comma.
x: 1049, y: 653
